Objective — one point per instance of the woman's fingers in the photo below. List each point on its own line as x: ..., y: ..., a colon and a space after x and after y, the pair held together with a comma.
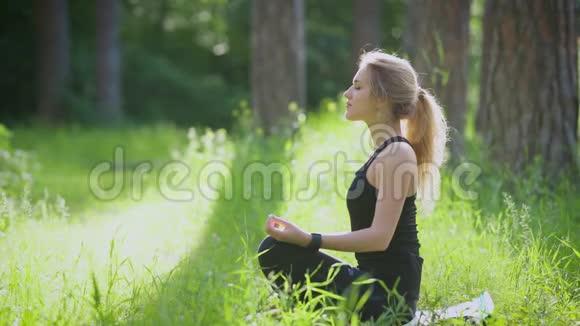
x: 276, y: 227
x: 269, y: 225
x: 276, y: 222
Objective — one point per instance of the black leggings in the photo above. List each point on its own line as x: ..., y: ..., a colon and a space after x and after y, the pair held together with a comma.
x: 295, y: 261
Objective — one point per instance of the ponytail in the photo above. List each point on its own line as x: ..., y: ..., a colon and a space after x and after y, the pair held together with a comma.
x: 427, y: 132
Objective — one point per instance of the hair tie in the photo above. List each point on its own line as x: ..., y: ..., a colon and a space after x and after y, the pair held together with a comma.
x: 422, y: 93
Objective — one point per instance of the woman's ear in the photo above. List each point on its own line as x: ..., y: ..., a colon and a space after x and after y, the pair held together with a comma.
x: 383, y: 105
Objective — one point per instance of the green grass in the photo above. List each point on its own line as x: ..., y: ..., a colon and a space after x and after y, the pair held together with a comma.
x: 65, y: 156
x: 159, y: 261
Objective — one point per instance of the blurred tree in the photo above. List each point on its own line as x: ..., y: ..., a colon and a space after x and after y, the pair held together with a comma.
x: 53, y: 60
x: 185, y: 61
x: 278, y: 75
x: 437, y: 42
x: 577, y: 13
x: 367, y: 27
x: 108, y: 67
x: 18, y: 41
x: 529, y: 83
x: 329, y: 37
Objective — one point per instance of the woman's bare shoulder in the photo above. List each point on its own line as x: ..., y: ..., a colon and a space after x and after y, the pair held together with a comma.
x: 393, y: 162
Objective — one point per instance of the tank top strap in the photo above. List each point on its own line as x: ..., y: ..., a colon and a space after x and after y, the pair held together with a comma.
x: 383, y: 146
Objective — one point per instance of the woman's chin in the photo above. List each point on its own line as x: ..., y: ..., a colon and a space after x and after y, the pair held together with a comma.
x: 348, y: 116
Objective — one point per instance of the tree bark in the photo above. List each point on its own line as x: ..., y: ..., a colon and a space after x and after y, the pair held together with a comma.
x: 53, y: 60
x: 437, y: 42
x: 108, y: 62
x: 529, y: 83
x: 278, y: 67
x: 367, y: 27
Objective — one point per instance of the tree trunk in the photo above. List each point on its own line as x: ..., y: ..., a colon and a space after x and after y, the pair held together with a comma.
x: 278, y: 70
x: 367, y: 28
x: 108, y: 62
x: 437, y: 41
x: 529, y: 84
x: 577, y: 13
x: 53, y: 61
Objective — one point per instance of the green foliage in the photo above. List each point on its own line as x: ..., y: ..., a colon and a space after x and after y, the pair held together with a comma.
x: 194, y: 261
x: 16, y: 166
x: 17, y: 201
x: 329, y: 27
x: 5, y: 136
x: 153, y: 82
x: 76, y: 150
x: 182, y: 61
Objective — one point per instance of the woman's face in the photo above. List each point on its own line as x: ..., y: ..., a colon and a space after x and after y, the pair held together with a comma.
x: 360, y: 105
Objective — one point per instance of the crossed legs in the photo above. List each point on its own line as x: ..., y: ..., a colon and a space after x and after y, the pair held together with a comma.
x: 295, y: 261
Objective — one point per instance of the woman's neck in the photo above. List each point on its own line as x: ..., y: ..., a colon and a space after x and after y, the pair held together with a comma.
x: 381, y: 131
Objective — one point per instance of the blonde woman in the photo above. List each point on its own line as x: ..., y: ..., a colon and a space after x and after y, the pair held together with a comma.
x: 409, y: 132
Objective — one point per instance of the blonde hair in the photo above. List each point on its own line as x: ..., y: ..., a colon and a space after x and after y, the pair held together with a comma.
x: 425, y: 127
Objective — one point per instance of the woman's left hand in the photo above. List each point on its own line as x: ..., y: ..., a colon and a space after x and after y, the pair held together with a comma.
x: 286, y: 231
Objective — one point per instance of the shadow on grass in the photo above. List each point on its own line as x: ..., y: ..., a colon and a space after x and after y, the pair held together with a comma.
x: 199, y: 289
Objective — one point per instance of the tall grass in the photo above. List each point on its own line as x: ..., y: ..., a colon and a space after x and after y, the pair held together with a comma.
x: 160, y: 261
x: 66, y: 155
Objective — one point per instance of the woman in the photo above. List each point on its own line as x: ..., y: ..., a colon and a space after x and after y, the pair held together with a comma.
x: 409, y: 131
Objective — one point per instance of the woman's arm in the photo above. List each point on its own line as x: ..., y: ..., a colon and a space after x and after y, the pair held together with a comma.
x: 392, y: 180
x: 356, y: 241
x: 392, y: 175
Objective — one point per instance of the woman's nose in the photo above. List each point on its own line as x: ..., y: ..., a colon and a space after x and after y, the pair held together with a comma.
x: 347, y: 94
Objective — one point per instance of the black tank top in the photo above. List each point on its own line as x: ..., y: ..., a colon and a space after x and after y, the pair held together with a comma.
x: 361, y: 201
